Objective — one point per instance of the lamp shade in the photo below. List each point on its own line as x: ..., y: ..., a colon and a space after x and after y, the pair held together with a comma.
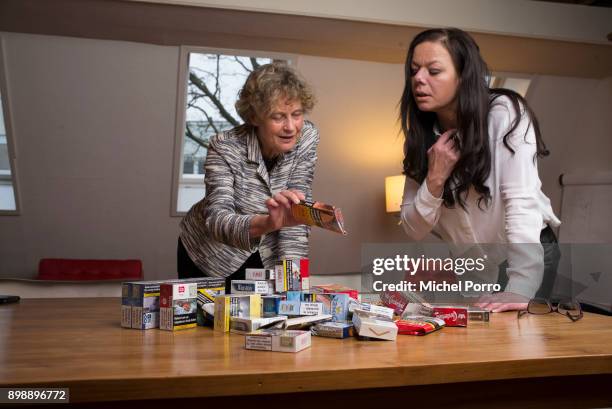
x: 394, y: 190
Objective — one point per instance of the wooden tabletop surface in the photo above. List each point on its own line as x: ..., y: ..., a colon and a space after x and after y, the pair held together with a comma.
x: 78, y: 343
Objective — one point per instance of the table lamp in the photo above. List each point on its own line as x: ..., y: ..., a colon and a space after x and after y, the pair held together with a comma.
x: 394, y: 190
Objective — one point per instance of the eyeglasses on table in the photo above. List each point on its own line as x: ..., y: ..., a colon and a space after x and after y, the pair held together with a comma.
x: 539, y: 306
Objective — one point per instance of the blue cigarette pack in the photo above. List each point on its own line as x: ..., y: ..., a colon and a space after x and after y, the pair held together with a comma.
x: 270, y: 305
x: 145, y: 304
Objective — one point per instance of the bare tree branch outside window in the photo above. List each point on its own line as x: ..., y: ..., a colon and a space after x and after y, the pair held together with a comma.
x: 213, y: 84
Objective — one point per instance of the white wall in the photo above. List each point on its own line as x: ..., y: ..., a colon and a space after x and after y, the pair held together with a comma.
x: 576, y: 121
x: 94, y: 130
x: 360, y: 145
x: 94, y: 125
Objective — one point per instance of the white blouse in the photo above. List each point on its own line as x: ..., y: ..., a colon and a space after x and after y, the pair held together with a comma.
x: 517, y: 213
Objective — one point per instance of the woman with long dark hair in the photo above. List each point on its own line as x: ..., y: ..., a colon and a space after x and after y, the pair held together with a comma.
x: 470, y: 163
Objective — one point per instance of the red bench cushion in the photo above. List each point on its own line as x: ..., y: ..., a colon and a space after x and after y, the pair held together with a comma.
x: 79, y: 270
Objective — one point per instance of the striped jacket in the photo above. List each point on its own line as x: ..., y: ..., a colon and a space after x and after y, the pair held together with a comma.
x: 215, y: 231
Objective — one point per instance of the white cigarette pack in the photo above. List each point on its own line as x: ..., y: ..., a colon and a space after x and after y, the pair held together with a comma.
x: 366, y: 326
x: 241, y: 325
x: 258, y: 274
x: 307, y: 321
x: 252, y: 287
x: 278, y: 340
x: 373, y: 310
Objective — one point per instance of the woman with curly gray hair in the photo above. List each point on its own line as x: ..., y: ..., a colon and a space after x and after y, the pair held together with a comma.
x: 253, y: 173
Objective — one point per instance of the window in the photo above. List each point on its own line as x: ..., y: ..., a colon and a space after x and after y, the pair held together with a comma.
x: 211, y: 81
x: 515, y: 82
x: 8, y: 198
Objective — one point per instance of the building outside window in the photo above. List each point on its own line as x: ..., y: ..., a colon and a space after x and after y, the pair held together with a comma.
x: 212, y: 81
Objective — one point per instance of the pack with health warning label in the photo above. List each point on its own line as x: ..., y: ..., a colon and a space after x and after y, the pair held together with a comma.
x: 278, y: 340
x: 319, y: 214
x: 178, y: 305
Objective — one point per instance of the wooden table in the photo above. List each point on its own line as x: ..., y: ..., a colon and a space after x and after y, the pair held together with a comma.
x: 78, y: 343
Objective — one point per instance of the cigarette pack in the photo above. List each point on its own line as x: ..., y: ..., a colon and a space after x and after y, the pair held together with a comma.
x: 319, y: 214
x: 145, y: 304
x: 370, y: 298
x: 288, y: 277
x: 307, y: 296
x: 399, y: 300
x: 340, y: 307
x: 259, y: 274
x: 374, y: 311
x: 206, y: 315
x: 208, y: 289
x: 333, y: 330
x: 289, y: 307
x: 367, y: 326
x: 311, y: 308
x: 178, y: 305
x: 278, y: 340
x: 305, y: 274
x: 478, y: 315
x: 336, y: 304
x: 395, y: 300
x: 307, y: 321
x: 417, y: 309
x: 419, y: 325
x: 126, y: 305
x: 452, y: 316
x: 294, y: 296
x: 243, y: 325
x: 300, y: 308
x: 252, y: 287
x: 336, y: 288
x: 227, y: 306
x: 270, y: 305
x: 140, y: 300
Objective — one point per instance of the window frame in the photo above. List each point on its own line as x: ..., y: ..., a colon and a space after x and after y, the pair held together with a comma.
x: 10, y: 134
x: 181, y: 99
x: 501, y: 76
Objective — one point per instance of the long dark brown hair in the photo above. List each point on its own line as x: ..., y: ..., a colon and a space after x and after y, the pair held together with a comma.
x: 474, y: 99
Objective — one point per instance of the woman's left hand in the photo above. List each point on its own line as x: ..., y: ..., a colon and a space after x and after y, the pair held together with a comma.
x: 503, y: 301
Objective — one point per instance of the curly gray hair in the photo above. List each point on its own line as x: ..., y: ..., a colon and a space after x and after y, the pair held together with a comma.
x: 266, y: 84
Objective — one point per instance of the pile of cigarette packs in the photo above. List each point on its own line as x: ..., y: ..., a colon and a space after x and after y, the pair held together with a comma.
x: 277, y: 310
x: 168, y: 304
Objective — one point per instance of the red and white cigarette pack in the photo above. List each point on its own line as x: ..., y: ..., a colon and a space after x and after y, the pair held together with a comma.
x: 452, y: 316
x: 292, y: 275
x: 419, y: 325
x: 178, y: 305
